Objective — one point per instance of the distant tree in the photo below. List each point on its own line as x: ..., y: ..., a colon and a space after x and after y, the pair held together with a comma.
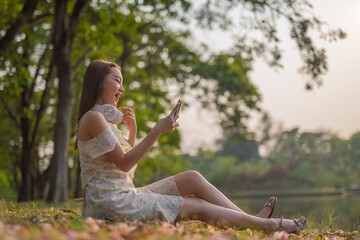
x: 297, y: 159
x: 303, y: 155
x: 354, y: 154
x: 243, y: 150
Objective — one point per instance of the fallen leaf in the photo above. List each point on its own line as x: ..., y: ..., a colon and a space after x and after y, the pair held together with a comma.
x: 122, y: 229
x: 281, y: 235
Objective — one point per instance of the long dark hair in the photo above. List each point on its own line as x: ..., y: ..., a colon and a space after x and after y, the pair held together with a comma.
x: 92, y: 84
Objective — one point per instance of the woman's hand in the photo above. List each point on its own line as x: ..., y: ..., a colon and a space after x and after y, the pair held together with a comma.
x: 129, y: 118
x: 167, y: 123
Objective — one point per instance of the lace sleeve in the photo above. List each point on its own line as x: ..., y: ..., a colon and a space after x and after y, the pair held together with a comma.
x: 99, y: 145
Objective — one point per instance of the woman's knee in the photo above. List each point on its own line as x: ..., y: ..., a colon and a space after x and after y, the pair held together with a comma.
x: 189, y: 182
x: 194, y: 176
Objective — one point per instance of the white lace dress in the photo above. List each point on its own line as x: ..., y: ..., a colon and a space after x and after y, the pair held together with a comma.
x: 110, y: 193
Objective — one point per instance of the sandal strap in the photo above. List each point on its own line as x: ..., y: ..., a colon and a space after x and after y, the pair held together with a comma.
x: 271, y: 204
x: 280, y: 224
x: 300, y: 222
x: 268, y: 204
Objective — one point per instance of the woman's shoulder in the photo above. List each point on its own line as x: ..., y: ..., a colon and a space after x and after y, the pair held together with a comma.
x: 92, y: 116
x: 91, y: 124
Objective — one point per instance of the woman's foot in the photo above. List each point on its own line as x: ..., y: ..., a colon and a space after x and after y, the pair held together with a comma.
x: 268, y: 208
x: 291, y: 225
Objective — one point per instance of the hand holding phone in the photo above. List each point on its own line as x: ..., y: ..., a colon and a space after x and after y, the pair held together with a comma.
x: 177, y: 108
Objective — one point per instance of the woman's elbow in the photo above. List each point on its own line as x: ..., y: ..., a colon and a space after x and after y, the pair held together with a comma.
x: 124, y: 169
x: 122, y: 166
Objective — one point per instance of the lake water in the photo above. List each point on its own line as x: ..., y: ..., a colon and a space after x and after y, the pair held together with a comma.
x: 344, y: 211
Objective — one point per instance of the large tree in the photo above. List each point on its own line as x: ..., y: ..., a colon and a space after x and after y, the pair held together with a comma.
x: 154, y: 54
x: 64, y: 32
x: 27, y: 77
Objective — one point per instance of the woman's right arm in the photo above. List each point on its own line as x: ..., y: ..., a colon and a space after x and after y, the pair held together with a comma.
x: 126, y: 161
x: 93, y: 124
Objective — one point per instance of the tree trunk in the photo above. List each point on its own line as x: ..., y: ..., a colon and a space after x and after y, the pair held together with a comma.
x: 65, y: 28
x: 26, y: 189
x: 78, y: 187
x: 58, y: 191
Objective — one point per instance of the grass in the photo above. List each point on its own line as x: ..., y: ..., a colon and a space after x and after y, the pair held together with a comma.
x: 39, y: 220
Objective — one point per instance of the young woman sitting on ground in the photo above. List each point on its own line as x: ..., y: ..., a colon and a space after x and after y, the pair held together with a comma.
x: 108, y: 162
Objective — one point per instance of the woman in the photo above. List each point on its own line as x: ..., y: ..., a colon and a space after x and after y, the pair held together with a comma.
x: 108, y: 162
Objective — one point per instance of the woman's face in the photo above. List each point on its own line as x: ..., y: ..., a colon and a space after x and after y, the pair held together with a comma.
x: 112, y: 88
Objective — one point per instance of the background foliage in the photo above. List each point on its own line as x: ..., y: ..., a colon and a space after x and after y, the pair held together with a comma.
x: 153, y: 43
x: 297, y: 160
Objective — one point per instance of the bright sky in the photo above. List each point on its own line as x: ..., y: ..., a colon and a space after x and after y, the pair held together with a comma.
x: 334, y: 106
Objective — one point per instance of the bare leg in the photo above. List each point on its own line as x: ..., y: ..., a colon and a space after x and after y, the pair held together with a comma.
x: 198, y: 209
x: 193, y: 183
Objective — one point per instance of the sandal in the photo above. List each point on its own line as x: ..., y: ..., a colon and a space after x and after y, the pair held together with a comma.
x: 299, y: 222
x: 269, y: 204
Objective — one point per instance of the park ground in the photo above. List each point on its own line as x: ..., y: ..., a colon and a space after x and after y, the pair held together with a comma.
x: 38, y: 220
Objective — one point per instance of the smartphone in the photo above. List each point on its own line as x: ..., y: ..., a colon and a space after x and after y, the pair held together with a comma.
x: 177, y: 108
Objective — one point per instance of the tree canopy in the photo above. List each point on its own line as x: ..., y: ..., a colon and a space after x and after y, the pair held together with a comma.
x: 46, y: 45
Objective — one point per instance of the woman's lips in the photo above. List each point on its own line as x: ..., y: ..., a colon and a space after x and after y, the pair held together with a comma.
x: 117, y: 97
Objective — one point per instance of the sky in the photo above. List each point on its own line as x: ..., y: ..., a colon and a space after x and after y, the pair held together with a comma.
x: 335, y: 106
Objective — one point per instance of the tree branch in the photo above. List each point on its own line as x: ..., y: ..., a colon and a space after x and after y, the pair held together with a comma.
x: 40, y: 18
x: 82, y: 59
x: 38, y: 68
x: 75, y: 18
x: 43, y: 103
x: 9, y: 112
x: 22, y: 18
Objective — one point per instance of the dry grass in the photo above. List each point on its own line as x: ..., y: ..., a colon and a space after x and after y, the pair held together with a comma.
x: 62, y: 221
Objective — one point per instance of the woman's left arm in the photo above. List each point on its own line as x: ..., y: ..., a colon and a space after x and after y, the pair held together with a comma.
x: 130, y: 122
x: 132, y: 137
